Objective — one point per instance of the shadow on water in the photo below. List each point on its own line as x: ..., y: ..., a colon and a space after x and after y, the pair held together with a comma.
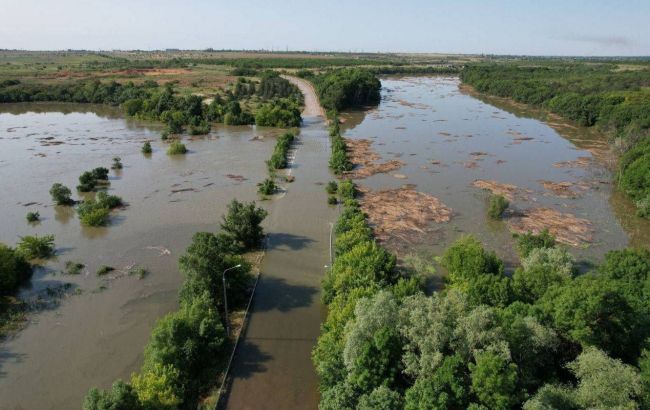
x: 277, y: 294
x: 279, y: 241
x: 8, y: 356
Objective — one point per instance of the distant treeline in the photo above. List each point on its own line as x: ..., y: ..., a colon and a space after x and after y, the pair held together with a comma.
x: 595, y: 94
x: 405, y: 69
x: 149, y: 101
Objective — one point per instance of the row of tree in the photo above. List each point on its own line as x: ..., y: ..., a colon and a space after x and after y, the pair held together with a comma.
x: 602, y: 95
x: 188, y: 347
x: 347, y: 87
x: 543, y: 338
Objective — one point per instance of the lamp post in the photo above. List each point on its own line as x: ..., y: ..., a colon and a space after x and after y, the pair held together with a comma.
x: 225, y: 297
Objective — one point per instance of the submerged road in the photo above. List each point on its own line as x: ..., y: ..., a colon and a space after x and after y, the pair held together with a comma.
x: 272, y: 368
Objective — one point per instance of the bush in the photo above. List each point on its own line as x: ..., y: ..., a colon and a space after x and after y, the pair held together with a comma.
x: 279, y: 157
x: 267, y: 187
x: 346, y: 189
x: 242, y: 221
x: 200, y: 129
x: 90, y: 179
x: 282, y: 113
x: 331, y: 187
x: 104, y: 270
x: 120, y: 397
x: 95, y: 212
x: 14, y: 269
x: 117, y: 163
x: 146, y: 148
x: 36, y: 247
x: 528, y: 241
x: 348, y: 87
x: 176, y: 148
x: 331, y: 199
x: 33, y: 216
x: 498, y: 205
x: 61, y: 194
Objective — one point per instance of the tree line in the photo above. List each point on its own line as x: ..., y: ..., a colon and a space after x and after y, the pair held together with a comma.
x: 593, y: 94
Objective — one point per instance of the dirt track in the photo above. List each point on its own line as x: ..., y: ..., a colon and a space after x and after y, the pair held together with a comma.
x: 312, y: 106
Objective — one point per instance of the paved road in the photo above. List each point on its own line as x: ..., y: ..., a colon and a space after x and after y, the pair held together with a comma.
x: 272, y: 368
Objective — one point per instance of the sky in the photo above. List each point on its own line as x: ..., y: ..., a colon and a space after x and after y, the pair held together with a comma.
x: 540, y: 27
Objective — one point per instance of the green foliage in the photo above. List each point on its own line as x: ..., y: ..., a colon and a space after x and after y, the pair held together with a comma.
x: 61, y: 195
x: 446, y: 388
x: 346, y: 189
x: 267, y: 187
x: 348, y: 87
x: 466, y: 260
x: 331, y: 200
x: 14, y: 269
x: 36, y: 247
x: 117, y: 163
x: 89, y: 180
x: 273, y: 86
x: 33, y: 216
x: 176, y: 148
x: 73, y: 268
x: 494, y: 380
x: 104, y: 270
x: 279, y: 157
x: 146, y: 148
x: 154, y: 387
x: 541, y: 270
x: 202, y: 128
x: 120, y: 397
x: 338, y: 162
x: 498, y: 205
x: 528, y: 241
x: 242, y: 221
x: 331, y: 188
x: 95, y: 212
x: 282, y: 113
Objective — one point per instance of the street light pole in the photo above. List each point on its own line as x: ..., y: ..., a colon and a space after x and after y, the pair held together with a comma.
x: 225, y: 298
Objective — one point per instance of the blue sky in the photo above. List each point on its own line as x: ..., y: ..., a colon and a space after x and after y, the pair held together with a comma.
x: 542, y: 27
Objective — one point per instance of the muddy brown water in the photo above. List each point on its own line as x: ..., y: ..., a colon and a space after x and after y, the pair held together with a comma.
x: 448, y: 138
x: 92, y: 338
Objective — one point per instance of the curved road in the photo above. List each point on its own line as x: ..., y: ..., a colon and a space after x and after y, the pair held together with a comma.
x: 272, y: 368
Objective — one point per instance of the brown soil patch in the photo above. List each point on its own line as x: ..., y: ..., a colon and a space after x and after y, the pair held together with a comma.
x: 566, y: 228
x: 364, y: 158
x: 507, y: 190
x: 580, y: 162
x: 402, y: 212
x: 564, y: 189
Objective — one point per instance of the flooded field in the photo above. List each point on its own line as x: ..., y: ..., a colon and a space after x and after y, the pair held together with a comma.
x: 98, y: 329
x: 449, y: 149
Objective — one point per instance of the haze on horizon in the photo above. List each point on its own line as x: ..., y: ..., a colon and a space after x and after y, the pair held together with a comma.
x: 553, y: 27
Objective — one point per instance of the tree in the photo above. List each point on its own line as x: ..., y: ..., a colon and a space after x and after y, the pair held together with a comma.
x: 498, y: 205
x: 446, y: 388
x: 242, y: 221
x: 541, y: 269
x: 14, y: 269
x: 494, y: 380
x: 121, y: 396
x: 155, y: 387
x: 551, y: 397
x: 466, y: 259
x: 604, y: 382
x: 61, y: 194
x: 381, y: 398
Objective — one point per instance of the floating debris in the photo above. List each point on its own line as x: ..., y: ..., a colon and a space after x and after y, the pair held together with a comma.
x: 402, y: 212
x: 238, y: 178
x: 162, y: 251
x: 580, y: 162
x: 566, y: 228
x: 564, y: 189
x: 507, y: 190
x: 364, y: 158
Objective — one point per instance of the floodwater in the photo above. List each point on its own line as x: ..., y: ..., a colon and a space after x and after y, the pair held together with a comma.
x: 97, y: 332
x: 447, y: 139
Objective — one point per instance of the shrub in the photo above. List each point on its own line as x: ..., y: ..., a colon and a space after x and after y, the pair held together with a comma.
x: 108, y: 201
x: 200, y: 129
x: 120, y: 397
x: 146, y: 148
x: 346, y: 189
x: 267, y: 187
x: 33, y: 216
x: 176, y: 148
x: 14, y: 269
x: 61, y: 194
x: 89, y: 179
x: 117, y: 163
x: 331, y: 187
x: 73, y: 268
x: 104, y: 270
x: 279, y: 157
x: 36, y: 247
x: 242, y: 221
x: 529, y: 241
x: 92, y: 215
x: 283, y: 113
x: 498, y: 205
x: 331, y: 199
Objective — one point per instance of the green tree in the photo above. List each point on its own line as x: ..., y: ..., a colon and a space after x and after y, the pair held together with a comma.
x: 381, y: 398
x: 14, y: 269
x: 121, y: 396
x: 61, y: 195
x: 466, y: 259
x: 155, y: 387
x: 494, y: 380
x: 542, y: 269
x: 243, y: 222
x: 36, y: 247
x: 446, y: 388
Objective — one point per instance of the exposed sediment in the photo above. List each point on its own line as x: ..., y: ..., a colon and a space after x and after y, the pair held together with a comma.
x: 365, y: 159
